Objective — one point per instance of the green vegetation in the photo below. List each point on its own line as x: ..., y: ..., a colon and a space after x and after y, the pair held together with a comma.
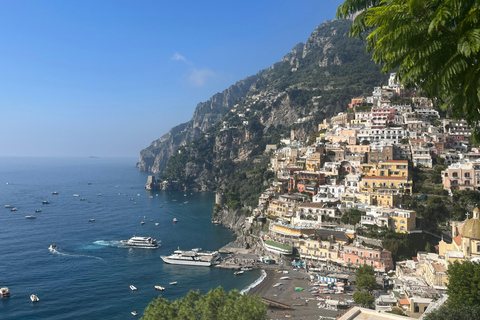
x: 432, y: 44
x: 363, y: 298
x: 352, y: 216
x: 461, y: 313
x: 398, y: 312
x: 365, y: 278
x: 216, y: 304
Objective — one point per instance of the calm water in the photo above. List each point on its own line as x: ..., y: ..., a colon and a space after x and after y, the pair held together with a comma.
x: 89, y: 277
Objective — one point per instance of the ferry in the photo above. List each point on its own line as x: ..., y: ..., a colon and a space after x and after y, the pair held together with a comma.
x: 194, y: 257
x: 141, y: 242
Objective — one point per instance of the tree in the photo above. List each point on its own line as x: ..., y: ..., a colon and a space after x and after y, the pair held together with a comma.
x: 363, y: 298
x: 216, y: 304
x: 435, y: 44
x: 463, y: 284
x: 352, y: 216
x: 448, y: 313
x: 365, y: 278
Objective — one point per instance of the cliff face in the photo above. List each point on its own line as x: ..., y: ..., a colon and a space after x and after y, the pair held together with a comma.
x: 288, y: 100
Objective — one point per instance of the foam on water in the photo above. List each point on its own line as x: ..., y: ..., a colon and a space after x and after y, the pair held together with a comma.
x: 62, y: 253
x: 255, y: 283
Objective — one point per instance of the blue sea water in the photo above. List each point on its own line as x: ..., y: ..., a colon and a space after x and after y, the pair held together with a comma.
x: 89, y: 277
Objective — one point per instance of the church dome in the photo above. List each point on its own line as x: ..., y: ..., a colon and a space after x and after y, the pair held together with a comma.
x: 476, y: 210
x: 471, y: 229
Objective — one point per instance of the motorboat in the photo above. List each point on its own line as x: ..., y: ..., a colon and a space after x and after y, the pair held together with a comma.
x: 131, y: 199
x: 156, y: 223
x: 246, y: 269
x: 45, y: 202
x: 91, y: 220
x: 150, y: 197
x: 135, y: 313
x: 53, y: 247
x: 159, y: 288
x: 134, y: 203
x: 4, y: 292
x: 54, y: 192
x: 237, y: 273
x: 141, y: 242
x: 38, y: 210
x: 82, y: 199
x: 161, y: 206
x: 194, y: 257
x: 143, y: 222
x: 14, y: 209
x: 99, y: 194
x: 30, y: 217
x: 133, y: 288
x: 8, y: 206
x: 76, y: 195
x: 175, y: 220
x: 34, y: 298
x: 173, y: 283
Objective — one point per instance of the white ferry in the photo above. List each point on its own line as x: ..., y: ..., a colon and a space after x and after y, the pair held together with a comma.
x: 141, y: 242
x: 194, y: 257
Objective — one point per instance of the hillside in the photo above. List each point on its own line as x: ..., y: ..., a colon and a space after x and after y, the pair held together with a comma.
x: 219, y: 144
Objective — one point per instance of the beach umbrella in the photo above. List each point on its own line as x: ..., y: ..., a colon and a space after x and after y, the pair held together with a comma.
x: 299, y: 263
x: 304, y: 263
x: 298, y: 288
x: 309, y: 263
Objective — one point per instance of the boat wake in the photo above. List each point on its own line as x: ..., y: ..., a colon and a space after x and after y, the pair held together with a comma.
x: 61, y: 253
x: 104, y: 243
x: 255, y: 283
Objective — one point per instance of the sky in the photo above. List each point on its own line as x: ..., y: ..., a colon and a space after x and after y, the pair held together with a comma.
x: 106, y: 78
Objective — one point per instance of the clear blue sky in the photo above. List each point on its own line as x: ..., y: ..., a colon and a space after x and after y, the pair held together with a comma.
x: 106, y: 78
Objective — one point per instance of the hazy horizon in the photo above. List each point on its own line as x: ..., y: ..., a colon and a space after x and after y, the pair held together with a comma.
x: 107, y: 78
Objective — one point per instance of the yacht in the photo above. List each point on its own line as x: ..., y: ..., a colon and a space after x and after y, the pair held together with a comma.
x: 194, y: 257
x: 141, y: 242
x: 173, y: 283
x: 34, y: 298
x: 159, y: 288
x: 4, y: 292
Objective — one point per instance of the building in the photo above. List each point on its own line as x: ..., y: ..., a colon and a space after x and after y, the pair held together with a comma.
x: 342, y: 119
x: 381, y: 260
x: 462, y: 176
x: 289, y: 235
x: 371, y: 183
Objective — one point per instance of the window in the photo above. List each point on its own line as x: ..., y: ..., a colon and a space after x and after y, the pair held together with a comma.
x: 402, y: 221
x: 356, y: 261
x: 467, y: 174
x: 455, y: 175
x: 402, y: 228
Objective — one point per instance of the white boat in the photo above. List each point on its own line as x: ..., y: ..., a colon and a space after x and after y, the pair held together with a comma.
x: 175, y: 220
x: 30, y: 217
x: 133, y: 288
x: 156, y: 223
x: 173, y: 283
x: 237, y: 273
x: 150, y: 197
x: 141, y: 242
x: 14, y: 209
x: 38, y: 210
x: 54, y: 192
x: 99, y: 194
x: 159, y: 288
x: 45, y: 202
x: 135, y: 313
x: 8, y: 206
x: 91, y: 220
x: 34, y: 298
x: 76, y: 195
x: 143, y: 222
x: 246, y: 269
x: 4, y: 292
x: 52, y: 247
x: 194, y: 257
x: 82, y: 199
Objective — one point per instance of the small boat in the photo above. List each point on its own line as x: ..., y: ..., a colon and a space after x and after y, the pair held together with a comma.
x: 89, y: 183
x: 156, y: 223
x: 135, y: 313
x: 52, y: 247
x: 142, y: 223
x: 99, y: 194
x: 134, y: 203
x: 161, y: 206
x: 34, y: 298
x: 246, y: 269
x: 38, y: 210
x: 45, y: 202
x: 4, y: 292
x: 131, y: 199
x: 14, y: 209
x: 237, y: 273
x: 138, y: 194
x: 159, y: 288
x: 91, y: 220
x: 30, y: 217
x: 172, y: 283
x: 76, y: 195
x: 8, y: 206
x: 133, y: 288
x: 150, y: 197
x: 175, y: 220
x: 54, y: 192
x: 82, y: 199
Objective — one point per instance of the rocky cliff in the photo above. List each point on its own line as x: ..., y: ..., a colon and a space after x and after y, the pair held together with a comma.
x: 225, y: 140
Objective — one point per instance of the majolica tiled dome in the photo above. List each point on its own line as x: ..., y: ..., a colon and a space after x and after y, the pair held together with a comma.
x: 471, y: 228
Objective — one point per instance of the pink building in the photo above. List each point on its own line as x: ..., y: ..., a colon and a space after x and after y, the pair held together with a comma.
x: 381, y: 260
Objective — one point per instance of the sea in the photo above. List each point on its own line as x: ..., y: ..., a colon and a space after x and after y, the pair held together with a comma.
x: 90, y: 274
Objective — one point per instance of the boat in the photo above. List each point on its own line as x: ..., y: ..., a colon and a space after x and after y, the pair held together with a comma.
x: 54, y: 192
x: 175, y: 220
x: 99, y: 194
x: 14, y: 209
x: 150, y: 197
x: 142, y: 223
x: 134, y: 203
x: 237, y: 273
x: 246, y: 269
x: 45, y: 202
x: 161, y: 206
x: 131, y: 199
x: 8, y: 206
x: 30, y: 217
x: 141, y: 242
x: 34, y: 298
x: 89, y: 183
x: 82, y: 199
x: 135, y: 313
x: 173, y: 283
x: 38, y: 210
x: 76, y: 195
x: 52, y: 247
x: 156, y: 223
x: 91, y: 220
x: 133, y: 288
x: 159, y: 288
x: 138, y: 194
x: 194, y: 257
x: 4, y: 292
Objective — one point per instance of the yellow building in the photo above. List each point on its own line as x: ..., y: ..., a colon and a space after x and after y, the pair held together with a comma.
x: 288, y: 234
x: 314, y: 163
x: 389, y: 168
x: 352, y: 200
x: 277, y: 208
x: 372, y: 183
x: 319, y: 250
x: 403, y: 220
